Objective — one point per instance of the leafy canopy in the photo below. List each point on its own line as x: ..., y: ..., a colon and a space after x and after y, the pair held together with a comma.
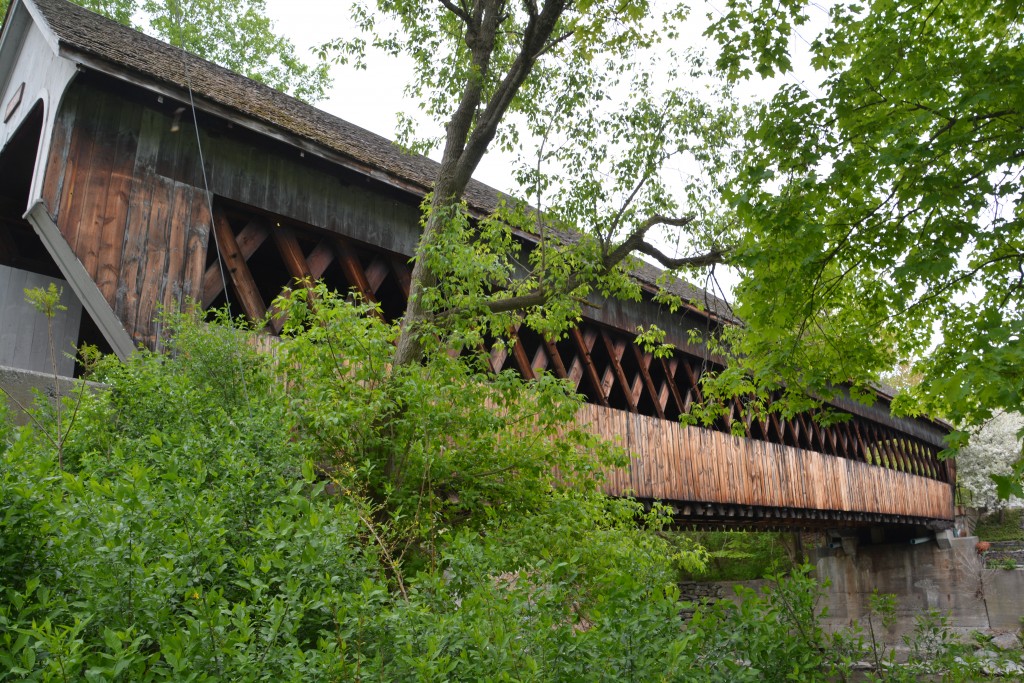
x: 879, y: 215
x: 561, y: 85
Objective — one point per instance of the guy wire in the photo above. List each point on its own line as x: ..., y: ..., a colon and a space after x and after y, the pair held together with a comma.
x: 176, y: 11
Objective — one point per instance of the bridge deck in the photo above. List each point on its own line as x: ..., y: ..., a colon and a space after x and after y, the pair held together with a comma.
x: 712, y: 478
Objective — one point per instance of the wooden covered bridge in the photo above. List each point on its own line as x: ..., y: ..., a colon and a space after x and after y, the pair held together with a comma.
x: 103, y: 188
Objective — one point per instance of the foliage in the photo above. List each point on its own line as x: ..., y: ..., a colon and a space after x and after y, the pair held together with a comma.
x: 212, y: 523
x: 885, y: 208
x: 208, y: 525
x: 1005, y: 563
x: 989, y: 457
x: 742, y: 555
x: 233, y: 33
x: 186, y: 535
x: 1003, y: 525
x: 437, y: 442
x: 556, y: 82
x: 774, y: 636
x: 933, y: 651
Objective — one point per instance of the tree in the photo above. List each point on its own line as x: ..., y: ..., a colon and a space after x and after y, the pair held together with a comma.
x: 233, y: 33
x: 564, y: 75
x: 879, y: 220
x: 988, y: 459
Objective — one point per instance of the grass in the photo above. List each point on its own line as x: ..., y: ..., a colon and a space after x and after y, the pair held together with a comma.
x: 1001, y: 526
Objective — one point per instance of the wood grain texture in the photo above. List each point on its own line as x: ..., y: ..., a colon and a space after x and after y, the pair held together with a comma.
x: 678, y: 464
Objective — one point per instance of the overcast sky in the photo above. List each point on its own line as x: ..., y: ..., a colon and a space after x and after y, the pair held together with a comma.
x: 372, y: 98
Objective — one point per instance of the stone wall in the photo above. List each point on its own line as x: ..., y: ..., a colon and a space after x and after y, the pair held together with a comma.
x: 18, y: 387
x: 923, y: 577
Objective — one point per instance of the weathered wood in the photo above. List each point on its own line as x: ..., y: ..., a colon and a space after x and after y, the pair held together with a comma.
x: 400, y: 267
x: 352, y: 269
x: 615, y: 351
x: 690, y: 465
x: 248, y: 241
x: 291, y: 253
x: 670, y: 367
x: 241, y: 279
x: 320, y: 258
x: 556, y: 359
x: 519, y: 355
x: 376, y: 273
x: 583, y: 347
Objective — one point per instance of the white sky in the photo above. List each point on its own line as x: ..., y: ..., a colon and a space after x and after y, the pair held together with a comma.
x: 372, y: 98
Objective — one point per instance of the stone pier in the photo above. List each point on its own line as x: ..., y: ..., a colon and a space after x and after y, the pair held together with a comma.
x: 941, y: 573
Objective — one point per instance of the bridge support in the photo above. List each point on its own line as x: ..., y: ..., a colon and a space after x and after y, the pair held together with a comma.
x: 933, y: 571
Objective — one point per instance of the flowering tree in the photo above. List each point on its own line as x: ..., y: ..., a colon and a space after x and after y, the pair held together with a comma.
x: 989, y: 456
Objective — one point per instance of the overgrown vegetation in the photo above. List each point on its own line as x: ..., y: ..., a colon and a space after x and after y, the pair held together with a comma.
x: 744, y: 555
x: 222, y: 513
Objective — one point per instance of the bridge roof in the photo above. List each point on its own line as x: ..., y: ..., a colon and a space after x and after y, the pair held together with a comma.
x: 87, y: 37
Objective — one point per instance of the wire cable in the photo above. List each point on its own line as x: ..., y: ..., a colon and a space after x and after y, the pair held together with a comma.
x: 176, y: 11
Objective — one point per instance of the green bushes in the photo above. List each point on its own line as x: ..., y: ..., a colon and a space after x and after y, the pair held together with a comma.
x: 743, y: 555
x: 223, y: 514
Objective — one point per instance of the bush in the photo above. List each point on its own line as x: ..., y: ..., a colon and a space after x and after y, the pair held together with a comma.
x: 224, y: 514
x: 743, y: 555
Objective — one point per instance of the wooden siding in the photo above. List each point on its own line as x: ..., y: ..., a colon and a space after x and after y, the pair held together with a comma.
x: 140, y: 235
x: 677, y: 464
x: 124, y: 185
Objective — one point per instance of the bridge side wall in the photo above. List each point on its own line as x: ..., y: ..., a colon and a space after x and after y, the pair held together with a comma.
x: 673, y: 463
x: 124, y: 185
x: 125, y: 197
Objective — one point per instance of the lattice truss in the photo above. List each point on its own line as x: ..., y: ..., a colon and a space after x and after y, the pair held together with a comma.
x: 263, y: 255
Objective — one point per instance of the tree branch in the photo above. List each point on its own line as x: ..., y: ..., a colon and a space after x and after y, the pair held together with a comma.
x: 712, y: 257
x: 456, y: 10
x: 630, y: 244
x: 535, y: 37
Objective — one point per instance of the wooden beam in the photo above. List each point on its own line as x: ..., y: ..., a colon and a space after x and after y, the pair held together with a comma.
x: 294, y: 260
x: 499, y: 352
x: 291, y: 253
x: 247, y: 242
x: 320, y: 258
x: 376, y: 272
x: 644, y: 360
x: 540, y: 359
x: 519, y: 355
x: 400, y: 267
x: 234, y: 263
x: 352, y: 269
x: 860, y: 441
x: 670, y: 366
x: 694, y: 379
x: 588, y: 363
x: 556, y: 359
x: 615, y: 353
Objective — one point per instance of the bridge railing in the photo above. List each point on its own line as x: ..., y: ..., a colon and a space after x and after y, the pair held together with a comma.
x: 712, y: 475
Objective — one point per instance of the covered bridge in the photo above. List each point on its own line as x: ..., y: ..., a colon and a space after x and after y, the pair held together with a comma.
x: 104, y: 188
